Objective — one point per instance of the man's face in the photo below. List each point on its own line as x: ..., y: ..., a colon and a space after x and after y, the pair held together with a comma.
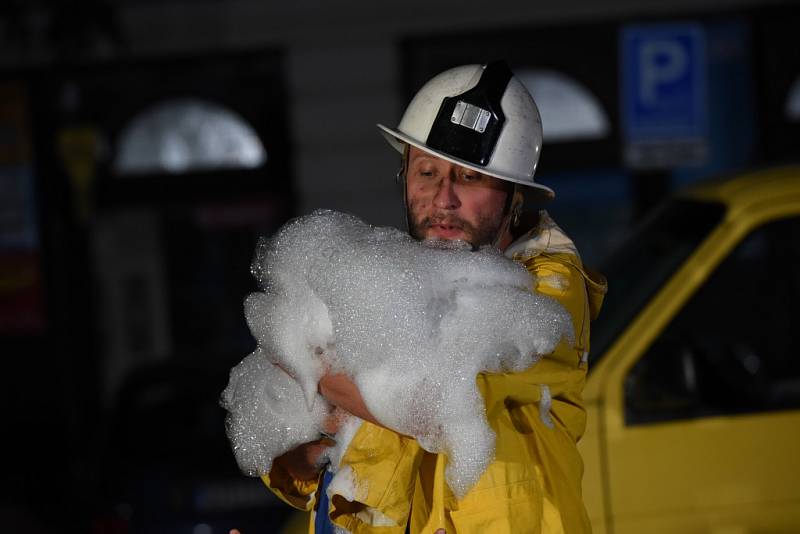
x: 447, y: 201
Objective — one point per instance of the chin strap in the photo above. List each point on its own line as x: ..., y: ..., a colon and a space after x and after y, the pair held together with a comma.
x: 511, y: 219
x: 401, y: 181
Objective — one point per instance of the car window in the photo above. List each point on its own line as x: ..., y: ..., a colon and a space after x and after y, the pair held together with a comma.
x: 646, y: 260
x: 732, y: 349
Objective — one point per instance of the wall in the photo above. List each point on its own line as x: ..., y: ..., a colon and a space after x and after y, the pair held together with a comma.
x: 343, y: 68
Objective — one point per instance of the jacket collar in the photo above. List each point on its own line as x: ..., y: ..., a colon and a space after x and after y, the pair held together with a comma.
x: 545, y: 236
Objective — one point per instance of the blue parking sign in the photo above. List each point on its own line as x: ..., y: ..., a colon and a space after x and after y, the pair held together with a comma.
x: 664, y: 89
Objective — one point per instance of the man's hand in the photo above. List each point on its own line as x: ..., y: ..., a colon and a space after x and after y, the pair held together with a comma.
x: 303, y: 462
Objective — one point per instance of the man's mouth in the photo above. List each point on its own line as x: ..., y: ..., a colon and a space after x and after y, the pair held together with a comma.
x: 445, y: 229
x: 445, y: 226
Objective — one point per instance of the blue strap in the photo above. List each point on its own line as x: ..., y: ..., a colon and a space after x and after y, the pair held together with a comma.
x: 322, y: 524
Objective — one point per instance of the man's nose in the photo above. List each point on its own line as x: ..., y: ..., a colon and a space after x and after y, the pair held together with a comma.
x: 446, y: 197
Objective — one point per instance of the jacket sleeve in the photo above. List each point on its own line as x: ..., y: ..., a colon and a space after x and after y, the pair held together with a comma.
x: 563, y: 277
x: 381, y: 463
x: 299, y: 494
x: 534, y: 484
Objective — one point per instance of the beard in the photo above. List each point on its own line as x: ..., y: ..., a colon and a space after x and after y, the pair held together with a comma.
x: 483, y: 233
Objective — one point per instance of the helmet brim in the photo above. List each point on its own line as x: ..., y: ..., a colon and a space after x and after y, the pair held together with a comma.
x: 398, y: 140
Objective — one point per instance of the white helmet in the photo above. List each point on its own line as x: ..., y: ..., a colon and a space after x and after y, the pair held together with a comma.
x: 477, y: 116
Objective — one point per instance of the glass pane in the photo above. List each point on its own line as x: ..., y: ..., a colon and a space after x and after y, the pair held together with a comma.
x: 793, y: 102
x: 732, y: 348
x: 644, y: 263
x: 187, y: 135
x: 569, y: 111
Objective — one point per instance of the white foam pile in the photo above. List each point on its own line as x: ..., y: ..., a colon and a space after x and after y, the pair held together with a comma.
x: 411, y: 323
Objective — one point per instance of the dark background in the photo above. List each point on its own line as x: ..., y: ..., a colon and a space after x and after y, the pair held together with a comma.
x: 121, y: 291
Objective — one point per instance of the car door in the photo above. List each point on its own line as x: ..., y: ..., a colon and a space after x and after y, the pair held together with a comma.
x: 701, y: 405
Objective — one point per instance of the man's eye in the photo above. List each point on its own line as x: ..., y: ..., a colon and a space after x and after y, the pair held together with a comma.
x: 470, y: 177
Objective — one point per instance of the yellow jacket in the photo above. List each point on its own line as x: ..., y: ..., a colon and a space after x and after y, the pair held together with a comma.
x: 534, y: 483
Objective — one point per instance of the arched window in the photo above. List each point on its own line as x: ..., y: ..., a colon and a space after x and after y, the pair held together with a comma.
x: 187, y: 135
x: 569, y: 111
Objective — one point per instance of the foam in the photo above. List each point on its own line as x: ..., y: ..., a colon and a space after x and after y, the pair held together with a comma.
x: 263, y: 420
x: 412, y: 323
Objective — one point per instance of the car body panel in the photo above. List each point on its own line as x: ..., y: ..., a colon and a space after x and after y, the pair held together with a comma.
x: 709, y: 474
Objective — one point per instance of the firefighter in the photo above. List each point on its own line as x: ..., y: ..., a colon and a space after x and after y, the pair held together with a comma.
x: 470, y: 142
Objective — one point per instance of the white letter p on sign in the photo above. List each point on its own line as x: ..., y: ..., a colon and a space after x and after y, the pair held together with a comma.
x: 660, y: 62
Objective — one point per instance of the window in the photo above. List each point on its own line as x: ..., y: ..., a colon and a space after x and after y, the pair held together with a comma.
x: 569, y: 111
x: 733, y: 348
x: 187, y: 135
x: 793, y: 102
x: 645, y: 262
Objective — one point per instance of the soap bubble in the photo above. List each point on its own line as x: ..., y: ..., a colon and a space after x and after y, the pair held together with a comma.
x: 412, y: 323
x: 264, y: 420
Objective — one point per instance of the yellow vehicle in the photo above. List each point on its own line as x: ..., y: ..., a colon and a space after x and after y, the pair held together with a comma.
x: 693, y: 397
